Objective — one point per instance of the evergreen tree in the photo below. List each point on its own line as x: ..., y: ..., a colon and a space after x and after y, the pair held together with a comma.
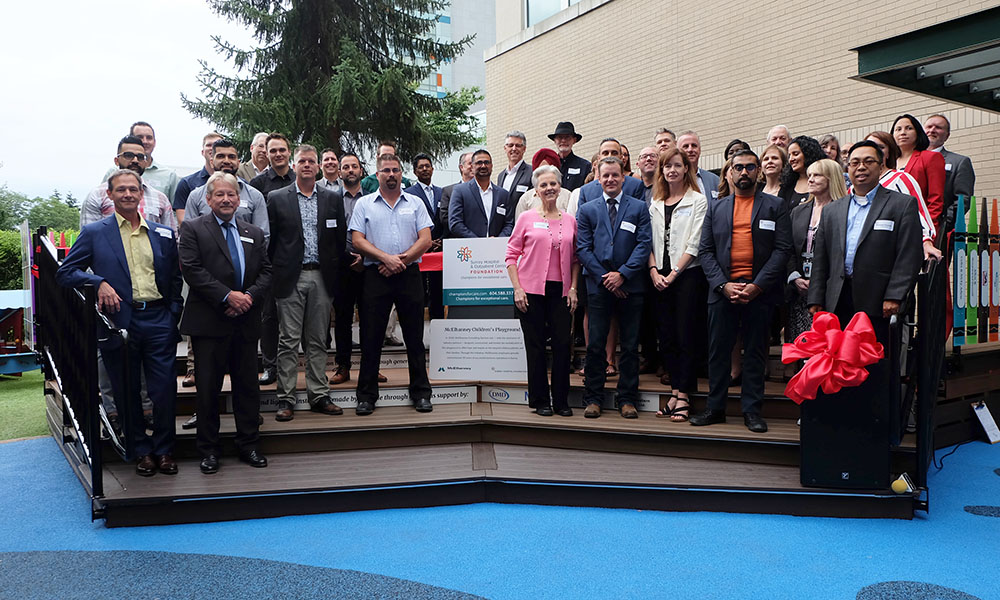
x: 337, y: 73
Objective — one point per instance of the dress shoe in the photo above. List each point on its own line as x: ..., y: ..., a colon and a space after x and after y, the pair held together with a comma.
x: 646, y: 367
x: 665, y: 379
x: 327, y: 407
x: 544, y: 411
x: 253, y: 458
x: 754, y: 422
x: 285, y: 411
x: 364, y: 408
x: 209, y: 464
x: 382, y: 378
x: 166, y: 464
x: 565, y: 412
x: 392, y: 340
x: 341, y: 375
x: 268, y: 377
x: 190, y: 423
x: 423, y: 405
x: 709, y: 417
x: 146, y: 467
x: 260, y: 419
x: 628, y: 411
x: 116, y: 425
x: 593, y: 411
x: 188, y: 380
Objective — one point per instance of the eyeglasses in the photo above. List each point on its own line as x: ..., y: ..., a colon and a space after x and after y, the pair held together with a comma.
x: 513, y: 145
x: 749, y: 168
x: 388, y: 171
x: 868, y: 162
x: 483, y: 162
x: 131, y: 155
x: 647, y: 157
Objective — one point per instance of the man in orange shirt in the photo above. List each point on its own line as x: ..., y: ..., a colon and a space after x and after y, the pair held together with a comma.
x: 745, y: 244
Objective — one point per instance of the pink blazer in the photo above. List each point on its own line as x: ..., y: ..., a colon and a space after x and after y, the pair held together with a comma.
x: 927, y: 168
x: 530, y: 248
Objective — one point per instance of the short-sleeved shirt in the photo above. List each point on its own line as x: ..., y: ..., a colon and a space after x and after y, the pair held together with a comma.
x: 139, y: 257
x: 391, y: 229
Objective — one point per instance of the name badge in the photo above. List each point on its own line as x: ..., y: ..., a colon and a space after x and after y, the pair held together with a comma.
x: 502, y: 210
x: 629, y: 227
x: 406, y: 211
x: 540, y: 225
x: 947, y: 166
x: 165, y: 233
x: 246, y: 239
x: 682, y: 212
x: 715, y: 193
x: 884, y: 225
x: 573, y: 170
x: 331, y: 223
x: 766, y: 224
x: 522, y: 188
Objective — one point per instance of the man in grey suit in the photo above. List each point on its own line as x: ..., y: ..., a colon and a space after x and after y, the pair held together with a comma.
x: 258, y: 158
x: 959, y: 177
x: 465, y: 170
x: 479, y: 208
x: 867, y: 251
x: 516, y: 178
x: 690, y: 144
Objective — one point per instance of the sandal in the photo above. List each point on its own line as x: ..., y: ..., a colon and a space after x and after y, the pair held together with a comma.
x: 680, y: 413
x: 611, y: 371
x: 668, y: 411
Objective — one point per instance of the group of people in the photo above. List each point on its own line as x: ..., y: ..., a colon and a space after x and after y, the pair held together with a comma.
x: 268, y: 248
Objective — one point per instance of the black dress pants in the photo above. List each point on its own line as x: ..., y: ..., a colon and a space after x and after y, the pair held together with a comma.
x: 546, y: 316
x: 347, y: 297
x: 681, y: 328
x: 213, y: 357
x: 725, y: 320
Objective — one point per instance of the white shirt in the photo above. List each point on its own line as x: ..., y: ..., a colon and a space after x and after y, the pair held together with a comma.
x: 508, y: 181
x: 487, y: 196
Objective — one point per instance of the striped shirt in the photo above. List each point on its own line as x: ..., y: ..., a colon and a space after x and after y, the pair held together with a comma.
x: 904, y: 183
x: 154, y: 207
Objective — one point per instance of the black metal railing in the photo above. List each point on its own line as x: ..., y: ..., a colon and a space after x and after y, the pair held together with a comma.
x: 929, y: 346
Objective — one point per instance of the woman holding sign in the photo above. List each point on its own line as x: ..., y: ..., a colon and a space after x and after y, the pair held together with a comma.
x: 541, y: 263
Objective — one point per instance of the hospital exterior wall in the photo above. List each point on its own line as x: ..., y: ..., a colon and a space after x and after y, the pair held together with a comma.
x: 726, y: 70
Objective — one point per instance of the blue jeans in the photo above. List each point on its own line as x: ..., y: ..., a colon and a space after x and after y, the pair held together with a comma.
x: 601, y: 308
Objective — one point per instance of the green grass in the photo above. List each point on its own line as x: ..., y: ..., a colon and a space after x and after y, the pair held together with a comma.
x: 22, y: 406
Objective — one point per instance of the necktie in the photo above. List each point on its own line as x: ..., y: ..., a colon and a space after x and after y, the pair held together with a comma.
x: 234, y: 253
x: 612, y: 211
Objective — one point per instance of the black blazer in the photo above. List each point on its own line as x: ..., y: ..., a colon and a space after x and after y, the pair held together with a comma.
x: 207, y: 267
x: 287, y: 244
x: 800, y: 217
x: 574, y: 171
x: 443, y: 209
x: 467, y: 216
x: 522, y: 177
x: 772, y: 243
x: 887, y: 259
x: 431, y: 204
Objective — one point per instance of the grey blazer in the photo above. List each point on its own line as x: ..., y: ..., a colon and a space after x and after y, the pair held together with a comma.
x: 959, y: 178
x: 522, y: 177
x: 711, y: 181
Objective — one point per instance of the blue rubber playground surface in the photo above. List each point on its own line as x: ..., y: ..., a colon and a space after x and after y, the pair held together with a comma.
x: 50, y: 549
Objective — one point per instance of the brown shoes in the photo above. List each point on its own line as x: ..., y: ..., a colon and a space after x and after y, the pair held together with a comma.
x: 382, y: 378
x: 167, y: 465
x: 188, y: 380
x: 327, y: 407
x: 628, y: 411
x: 285, y: 411
x: 593, y: 411
x: 341, y: 375
x: 146, y: 467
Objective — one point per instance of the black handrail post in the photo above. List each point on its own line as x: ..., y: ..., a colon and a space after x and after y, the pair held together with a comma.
x: 93, y: 400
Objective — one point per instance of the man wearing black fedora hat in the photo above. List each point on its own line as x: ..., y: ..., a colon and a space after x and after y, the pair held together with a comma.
x: 574, y: 168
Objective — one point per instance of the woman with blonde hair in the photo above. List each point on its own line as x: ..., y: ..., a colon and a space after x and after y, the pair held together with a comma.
x: 772, y: 163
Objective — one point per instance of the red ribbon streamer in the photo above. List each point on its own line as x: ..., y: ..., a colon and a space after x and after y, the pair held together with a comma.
x: 835, y: 358
x: 430, y: 261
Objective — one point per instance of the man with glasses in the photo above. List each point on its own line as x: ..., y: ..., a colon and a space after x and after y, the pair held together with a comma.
x: 516, y: 178
x: 155, y: 175
x: 478, y: 207
x: 392, y: 230
x: 155, y: 206
x: 198, y: 178
x: 258, y: 158
x: 646, y: 163
x: 308, y: 231
x: 745, y: 244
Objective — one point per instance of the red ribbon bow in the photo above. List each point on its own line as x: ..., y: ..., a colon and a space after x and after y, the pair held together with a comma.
x: 836, y: 358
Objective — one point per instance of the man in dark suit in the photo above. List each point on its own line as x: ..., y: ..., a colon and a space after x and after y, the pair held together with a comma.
x: 465, y: 171
x: 745, y: 244
x: 959, y: 176
x: 516, y: 178
x: 423, y: 168
x: 224, y: 260
x: 690, y: 143
x: 574, y: 168
x: 480, y: 208
x: 308, y: 237
x: 613, y: 245
x: 632, y: 186
x: 867, y: 251
x: 133, y: 264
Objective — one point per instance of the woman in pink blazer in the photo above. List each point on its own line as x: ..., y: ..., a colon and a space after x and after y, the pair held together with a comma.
x: 924, y: 165
x: 541, y: 262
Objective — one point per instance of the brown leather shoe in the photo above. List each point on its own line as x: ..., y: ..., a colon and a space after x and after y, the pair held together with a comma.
x: 628, y: 411
x: 327, y: 407
x: 285, y: 411
x: 382, y: 378
x: 593, y: 411
x: 167, y: 465
x: 146, y: 467
x: 341, y: 375
x: 665, y: 379
x: 188, y: 380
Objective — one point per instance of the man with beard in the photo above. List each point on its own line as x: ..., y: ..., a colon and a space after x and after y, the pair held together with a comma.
x: 154, y: 206
x: 258, y: 158
x: 480, y: 208
x: 252, y: 207
x: 745, y: 244
x: 574, y: 168
x: 392, y: 230
x: 155, y: 175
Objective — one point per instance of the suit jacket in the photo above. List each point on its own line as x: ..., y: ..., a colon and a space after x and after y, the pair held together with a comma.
x: 208, y: 268
x: 887, y: 259
x: 800, y: 217
x: 711, y: 181
x: 772, y: 243
x: 443, y: 209
x: 247, y: 171
x: 630, y: 185
x: 521, y: 184
x: 100, y: 249
x: 574, y: 171
x: 467, y: 216
x: 959, y: 179
x: 287, y: 244
x: 432, y: 205
x: 623, y: 246
x: 927, y: 167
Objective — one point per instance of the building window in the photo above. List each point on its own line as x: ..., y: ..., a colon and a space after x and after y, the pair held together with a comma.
x: 539, y: 10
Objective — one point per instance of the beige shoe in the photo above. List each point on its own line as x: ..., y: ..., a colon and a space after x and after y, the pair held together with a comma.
x: 628, y: 411
x: 593, y: 411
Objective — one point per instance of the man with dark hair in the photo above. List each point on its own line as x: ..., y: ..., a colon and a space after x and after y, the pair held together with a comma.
x: 959, y: 176
x: 392, y: 231
x: 370, y: 183
x: 196, y: 179
x: 480, y: 208
x: 745, y: 244
x: 154, y: 174
x: 330, y: 165
x: 630, y: 185
x: 133, y: 264
x: 156, y: 206
x: 516, y: 178
x: 613, y: 245
x: 465, y: 171
x: 258, y: 158
x: 423, y: 168
x: 664, y: 140
x: 308, y: 232
x: 574, y: 168
x: 252, y: 207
